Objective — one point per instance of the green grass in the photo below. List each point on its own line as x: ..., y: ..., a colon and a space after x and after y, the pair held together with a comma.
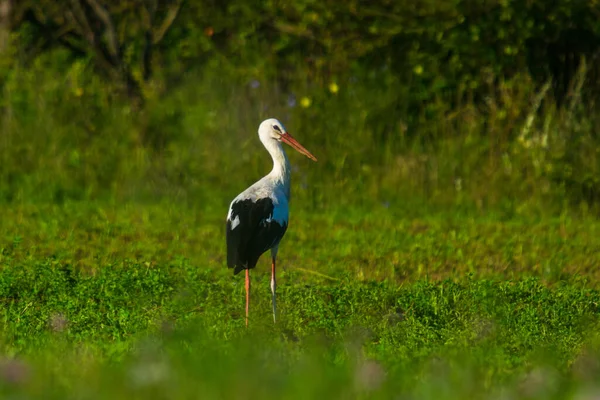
x: 134, y: 300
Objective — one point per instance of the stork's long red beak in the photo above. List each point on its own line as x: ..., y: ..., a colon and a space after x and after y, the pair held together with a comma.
x: 289, y: 139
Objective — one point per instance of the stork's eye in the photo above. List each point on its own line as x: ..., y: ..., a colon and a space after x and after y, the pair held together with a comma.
x: 277, y: 128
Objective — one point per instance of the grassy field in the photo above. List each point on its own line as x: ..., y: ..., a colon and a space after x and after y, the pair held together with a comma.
x: 452, y: 257
x: 134, y: 301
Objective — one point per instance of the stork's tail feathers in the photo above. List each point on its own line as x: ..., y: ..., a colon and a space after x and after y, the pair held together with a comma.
x: 237, y: 269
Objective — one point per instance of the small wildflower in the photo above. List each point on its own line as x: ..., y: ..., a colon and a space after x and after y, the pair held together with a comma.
x: 458, y: 184
x: 149, y: 373
x: 313, y: 16
x: 305, y: 102
x: 538, y: 383
x: 418, y: 70
x: 167, y: 326
x: 369, y: 375
x: 361, y: 275
x: 333, y: 87
x: 209, y: 31
x: 13, y: 371
x: 291, y: 101
x: 254, y: 83
x: 58, y: 322
x: 78, y: 92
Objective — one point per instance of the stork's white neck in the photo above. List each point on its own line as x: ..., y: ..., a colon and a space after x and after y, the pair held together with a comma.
x: 281, y: 172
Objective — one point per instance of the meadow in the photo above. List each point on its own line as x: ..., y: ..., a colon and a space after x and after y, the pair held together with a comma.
x: 135, y: 301
x: 446, y: 244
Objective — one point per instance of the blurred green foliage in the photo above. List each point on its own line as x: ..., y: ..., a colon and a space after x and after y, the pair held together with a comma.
x: 435, y: 46
x: 459, y: 102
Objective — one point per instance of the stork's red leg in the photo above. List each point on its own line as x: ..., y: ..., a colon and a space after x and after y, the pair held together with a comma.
x: 273, y: 287
x: 247, y: 295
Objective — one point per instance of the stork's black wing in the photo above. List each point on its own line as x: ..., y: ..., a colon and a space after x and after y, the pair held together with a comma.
x: 251, y: 230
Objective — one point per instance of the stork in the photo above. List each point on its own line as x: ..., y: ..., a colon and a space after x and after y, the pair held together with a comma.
x: 258, y: 217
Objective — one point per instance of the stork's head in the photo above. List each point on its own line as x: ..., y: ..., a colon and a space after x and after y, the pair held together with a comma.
x: 273, y: 129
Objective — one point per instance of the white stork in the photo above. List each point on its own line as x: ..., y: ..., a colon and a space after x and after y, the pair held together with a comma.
x: 258, y: 217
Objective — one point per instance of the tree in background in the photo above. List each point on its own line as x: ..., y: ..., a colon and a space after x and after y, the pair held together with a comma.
x: 439, y: 46
x: 120, y: 36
